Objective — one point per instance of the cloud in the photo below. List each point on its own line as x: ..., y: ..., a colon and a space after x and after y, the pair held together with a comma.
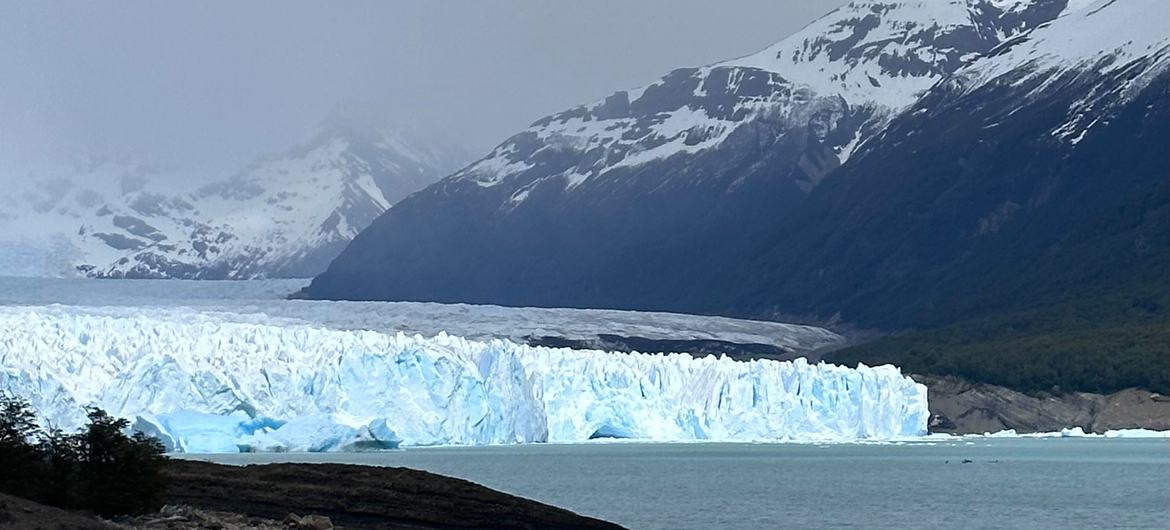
x: 208, y: 86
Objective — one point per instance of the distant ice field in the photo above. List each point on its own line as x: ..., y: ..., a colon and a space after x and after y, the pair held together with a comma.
x: 249, y: 300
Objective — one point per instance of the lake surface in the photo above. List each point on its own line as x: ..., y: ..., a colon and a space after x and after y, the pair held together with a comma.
x: 1010, y: 483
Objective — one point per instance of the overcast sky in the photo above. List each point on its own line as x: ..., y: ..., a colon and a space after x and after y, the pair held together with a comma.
x: 210, y: 85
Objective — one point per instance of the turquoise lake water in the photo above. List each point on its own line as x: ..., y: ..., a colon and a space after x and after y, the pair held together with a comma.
x: 1010, y: 483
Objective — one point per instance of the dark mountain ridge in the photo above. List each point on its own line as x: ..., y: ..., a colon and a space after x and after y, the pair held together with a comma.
x: 1020, y: 180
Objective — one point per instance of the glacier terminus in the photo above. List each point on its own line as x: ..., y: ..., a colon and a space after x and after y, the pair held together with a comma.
x: 212, y: 381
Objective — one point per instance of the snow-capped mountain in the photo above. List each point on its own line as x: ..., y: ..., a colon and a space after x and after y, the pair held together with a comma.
x: 1033, y: 176
x: 896, y: 165
x: 42, y: 214
x: 587, y: 207
x: 833, y: 85
x: 285, y: 216
x: 1086, y: 49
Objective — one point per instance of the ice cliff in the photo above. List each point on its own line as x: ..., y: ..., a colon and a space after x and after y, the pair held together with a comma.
x: 208, y: 382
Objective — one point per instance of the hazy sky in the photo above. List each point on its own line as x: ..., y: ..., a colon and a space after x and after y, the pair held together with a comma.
x: 211, y: 85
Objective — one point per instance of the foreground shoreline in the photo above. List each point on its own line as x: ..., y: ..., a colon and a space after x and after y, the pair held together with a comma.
x: 669, y: 487
x: 683, y: 486
x: 316, y: 497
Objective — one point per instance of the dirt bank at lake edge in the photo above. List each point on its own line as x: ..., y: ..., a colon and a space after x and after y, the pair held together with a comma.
x: 202, y: 495
x: 22, y: 514
x: 962, y: 407
x: 376, y: 498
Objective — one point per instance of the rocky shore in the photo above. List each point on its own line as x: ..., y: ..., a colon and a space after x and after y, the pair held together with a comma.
x: 963, y: 407
x: 205, y: 496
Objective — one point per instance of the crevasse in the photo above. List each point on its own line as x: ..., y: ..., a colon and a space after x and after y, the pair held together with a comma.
x: 204, y: 383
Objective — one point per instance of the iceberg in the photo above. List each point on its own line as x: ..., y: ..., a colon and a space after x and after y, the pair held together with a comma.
x: 1137, y: 433
x: 1077, y: 432
x: 1067, y: 432
x: 203, y: 381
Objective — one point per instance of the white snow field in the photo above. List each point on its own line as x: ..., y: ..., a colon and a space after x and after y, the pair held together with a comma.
x: 205, y: 379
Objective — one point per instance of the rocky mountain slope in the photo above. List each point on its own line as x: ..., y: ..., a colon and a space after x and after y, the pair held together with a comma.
x: 895, y: 165
x: 959, y: 406
x: 1030, y: 235
x: 589, y: 207
x: 285, y: 216
x: 1052, y: 144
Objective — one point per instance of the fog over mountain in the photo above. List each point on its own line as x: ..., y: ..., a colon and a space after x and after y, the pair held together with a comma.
x: 202, y: 89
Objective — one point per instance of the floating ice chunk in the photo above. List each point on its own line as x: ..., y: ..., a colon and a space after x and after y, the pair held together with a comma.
x: 1079, y: 432
x: 1136, y: 433
x: 314, y: 433
x: 195, y: 432
x: 381, y: 435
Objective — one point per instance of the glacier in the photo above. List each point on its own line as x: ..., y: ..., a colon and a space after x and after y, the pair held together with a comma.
x: 242, y: 300
x: 206, y: 381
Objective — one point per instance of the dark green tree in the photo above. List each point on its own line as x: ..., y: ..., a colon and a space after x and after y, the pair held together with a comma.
x: 119, y: 474
x: 62, y: 469
x: 20, y: 456
x: 99, y: 469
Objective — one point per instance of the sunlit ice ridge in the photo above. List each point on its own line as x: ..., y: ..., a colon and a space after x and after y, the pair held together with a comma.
x: 205, y: 381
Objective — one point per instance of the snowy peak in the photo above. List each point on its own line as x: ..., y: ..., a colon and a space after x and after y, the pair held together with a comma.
x: 890, y: 52
x: 285, y: 215
x: 288, y: 216
x: 1088, y: 36
x: 839, y: 80
x: 1082, y: 52
x: 47, y: 213
x: 864, y: 50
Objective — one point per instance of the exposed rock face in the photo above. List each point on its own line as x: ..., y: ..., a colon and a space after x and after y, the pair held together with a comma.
x: 962, y: 407
x: 189, y: 518
x: 308, y: 522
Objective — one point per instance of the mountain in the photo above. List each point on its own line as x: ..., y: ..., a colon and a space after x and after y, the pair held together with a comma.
x: 284, y: 216
x: 1041, y: 164
x: 893, y: 166
x: 591, y: 207
x: 1030, y: 241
